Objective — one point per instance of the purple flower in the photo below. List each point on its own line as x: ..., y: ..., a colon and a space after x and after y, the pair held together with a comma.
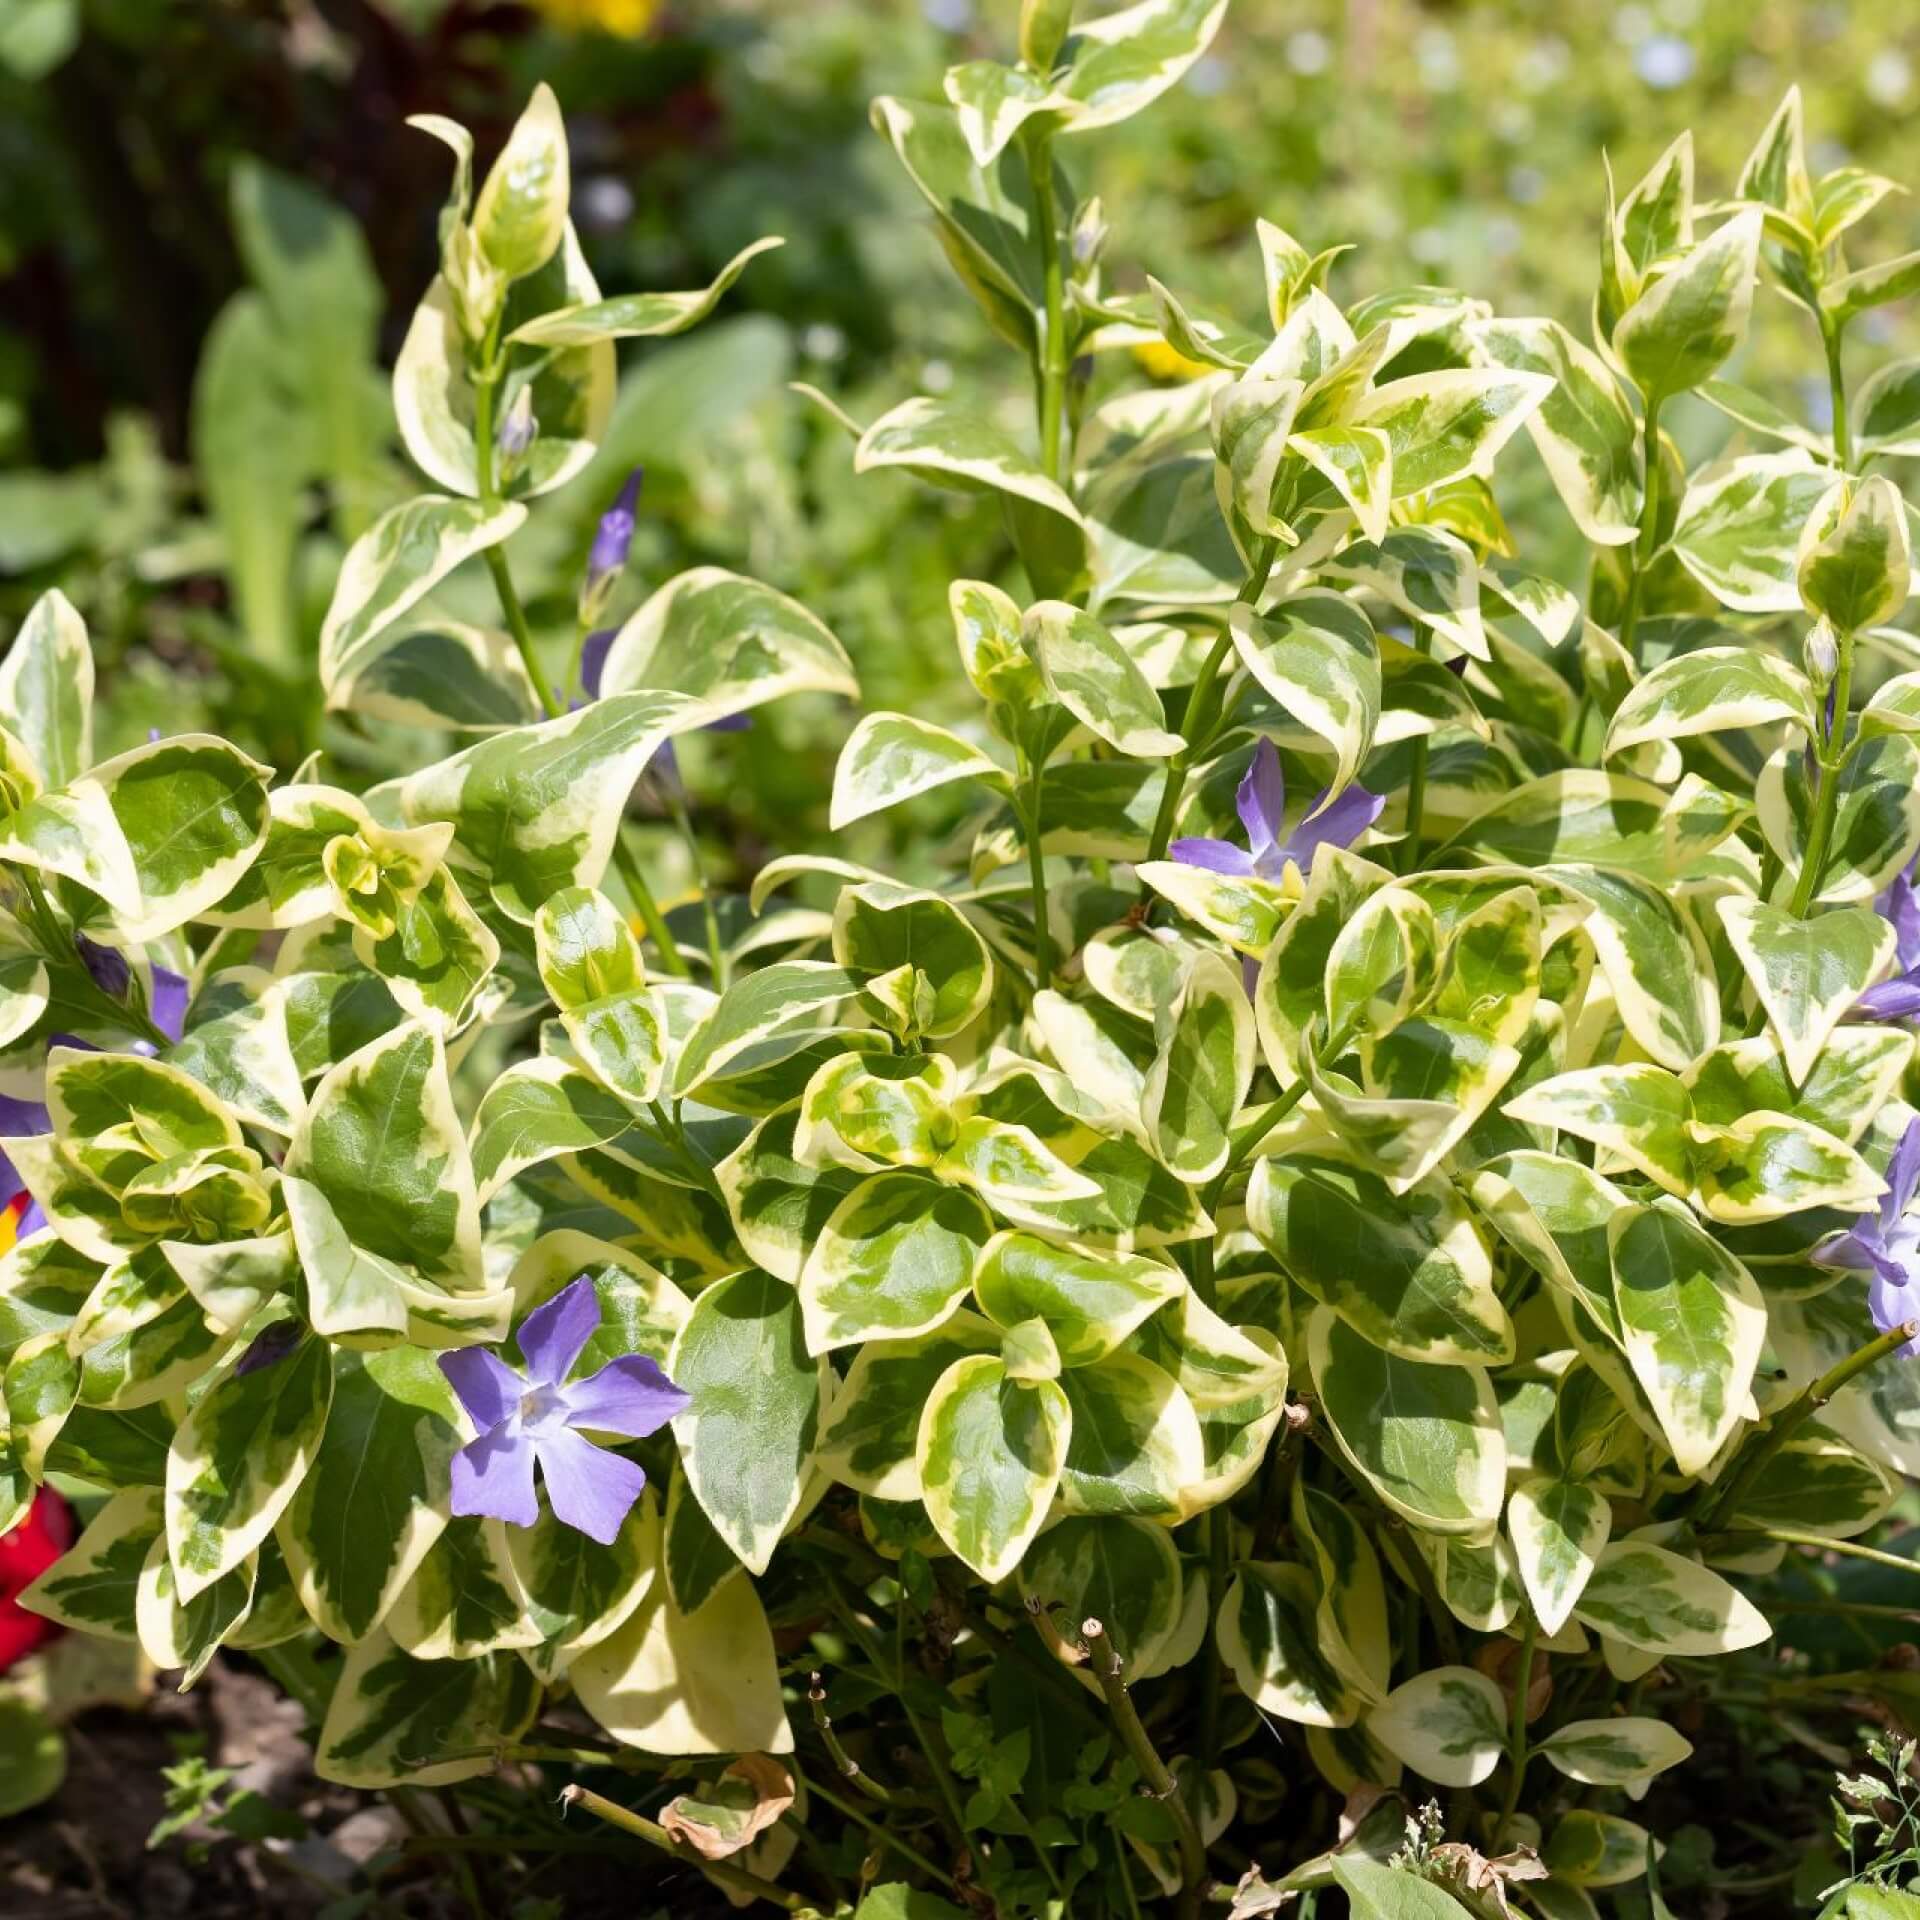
x: 1262, y: 803
x: 1886, y: 1246
x: 538, y: 1417
x: 1898, y: 998
x: 612, y: 540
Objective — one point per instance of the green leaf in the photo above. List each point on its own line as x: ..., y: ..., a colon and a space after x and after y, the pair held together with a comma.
x: 1249, y: 423
x: 988, y: 223
x: 238, y: 1459
x: 187, y: 1635
x: 636, y: 316
x: 1667, y: 1605
x: 1090, y: 1299
x: 1596, y: 1849
x: 1408, y: 1271
x: 1201, y: 1070
x: 46, y: 689
x: 1584, y: 429
x: 992, y: 102
x: 1123, y: 1573
x: 1135, y: 1444
x: 1381, y: 1893
x: 1712, y: 690
x: 894, y: 1260
x: 91, y: 1587
x: 1448, y: 424
x: 672, y: 1682
x: 1739, y: 526
x: 1689, y: 319
x: 748, y: 1436
x: 537, y: 1110
x: 930, y: 971
x: 991, y: 1452
x: 1095, y: 678
x: 374, y: 1498
x: 1876, y: 825
x: 536, y: 809
x: 1819, y: 1484
x: 381, y: 1143
x: 400, y: 559
x: 787, y: 994
x: 1604, y: 819
x: 1559, y: 1528
x: 432, y: 672
x: 726, y: 643
x: 1640, y: 1113
x: 1655, y: 960
x: 522, y: 209
x: 1856, y: 556
x: 1316, y: 655
x: 890, y: 757
x: 1448, y: 1724
x: 1266, y: 1634
x: 1427, y: 1439
x: 1357, y: 462
x: 577, y: 1591
x: 1692, y: 1323
x: 871, y: 1433
x: 1806, y: 973
x: 1120, y: 62
x: 1614, y: 1753
x: 33, y: 1757
x: 464, y: 1598
x: 949, y: 446
x: 392, y: 1718
x: 779, y: 1206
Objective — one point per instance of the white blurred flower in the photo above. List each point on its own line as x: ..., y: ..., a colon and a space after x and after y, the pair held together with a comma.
x: 1889, y: 77
x: 1664, y: 61
x: 1308, y: 51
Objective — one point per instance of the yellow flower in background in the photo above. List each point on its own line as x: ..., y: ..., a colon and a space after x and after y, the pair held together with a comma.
x: 628, y: 19
x: 1166, y: 362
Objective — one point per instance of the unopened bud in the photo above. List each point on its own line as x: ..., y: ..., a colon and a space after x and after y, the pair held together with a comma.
x: 612, y: 542
x: 1821, y: 652
x: 518, y: 429
x: 1090, y: 232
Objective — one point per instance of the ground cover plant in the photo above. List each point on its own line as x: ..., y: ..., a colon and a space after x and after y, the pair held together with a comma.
x: 1295, y: 1329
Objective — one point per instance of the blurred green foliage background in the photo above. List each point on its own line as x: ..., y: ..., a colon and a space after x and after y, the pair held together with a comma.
x: 213, y: 225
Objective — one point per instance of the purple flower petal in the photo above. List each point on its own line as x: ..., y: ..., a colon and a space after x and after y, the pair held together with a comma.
x: 629, y: 1396
x: 494, y: 1476
x: 1845, y: 1250
x: 614, y: 536
x: 1900, y: 904
x: 1262, y: 799
x: 1903, y: 1176
x: 552, y: 1336
x: 1895, y: 999
x: 588, y: 1487
x: 487, y: 1387
x: 1892, y: 1303
x: 31, y: 1222
x: 593, y: 660
x: 1216, y: 856
x: 169, y: 1010
x: 107, y: 966
x: 1339, y: 823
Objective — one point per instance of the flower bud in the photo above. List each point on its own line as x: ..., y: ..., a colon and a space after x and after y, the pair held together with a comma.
x: 516, y: 433
x: 1820, y: 652
x: 1090, y: 231
x: 611, y: 543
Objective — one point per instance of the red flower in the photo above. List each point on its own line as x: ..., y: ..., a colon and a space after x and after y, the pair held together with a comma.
x: 26, y: 1553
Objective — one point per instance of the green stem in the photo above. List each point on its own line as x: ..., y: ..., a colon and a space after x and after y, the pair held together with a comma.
x: 1053, y: 349
x: 1212, y: 1678
x: 716, y: 950
x: 1791, y: 1537
x: 1828, y: 804
x: 1104, y: 1659
x: 1517, y: 1730
x: 1416, y: 805
x: 485, y: 385
x: 1643, y: 547
x: 1197, y: 730
x: 850, y: 1769
x: 1243, y: 1140
x: 642, y: 1828
x: 1030, y: 830
x: 880, y: 1833
x: 1837, y: 389
x: 1761, y: 1448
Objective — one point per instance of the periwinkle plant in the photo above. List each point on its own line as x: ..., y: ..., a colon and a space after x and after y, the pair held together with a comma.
x: 1278, y: 1324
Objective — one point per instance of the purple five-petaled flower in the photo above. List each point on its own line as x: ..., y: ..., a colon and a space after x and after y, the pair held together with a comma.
x: 539, y: 1417
x: 1898, y: 998
x: 1262, y: 803
x: 1886, y: 1245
